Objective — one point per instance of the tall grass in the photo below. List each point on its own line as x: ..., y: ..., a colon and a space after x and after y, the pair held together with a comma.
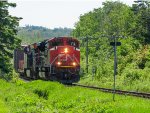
x: 52, y: 97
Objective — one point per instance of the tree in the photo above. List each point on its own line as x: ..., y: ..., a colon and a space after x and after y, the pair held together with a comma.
x: 8, y: 39
x: 142, y: 11
x: 114, y: 19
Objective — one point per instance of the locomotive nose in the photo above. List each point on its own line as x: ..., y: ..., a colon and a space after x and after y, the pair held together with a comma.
x: 66, y: 57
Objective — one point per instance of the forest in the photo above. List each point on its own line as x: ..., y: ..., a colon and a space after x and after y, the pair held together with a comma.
x: 32, y: 34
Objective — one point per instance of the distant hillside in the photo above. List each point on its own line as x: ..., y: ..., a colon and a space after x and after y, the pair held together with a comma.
x: 31, y: 34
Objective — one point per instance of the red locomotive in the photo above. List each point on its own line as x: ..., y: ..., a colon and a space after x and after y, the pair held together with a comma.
x: 54, y: 59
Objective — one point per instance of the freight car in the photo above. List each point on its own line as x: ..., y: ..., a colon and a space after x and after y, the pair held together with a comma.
x: 55, y: 59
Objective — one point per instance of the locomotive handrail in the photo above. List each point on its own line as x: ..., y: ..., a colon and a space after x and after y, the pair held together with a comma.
x: 76, y: 60
x: 54, y: 60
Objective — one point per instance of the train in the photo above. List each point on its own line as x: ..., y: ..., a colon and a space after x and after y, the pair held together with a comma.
x: 56, y: 59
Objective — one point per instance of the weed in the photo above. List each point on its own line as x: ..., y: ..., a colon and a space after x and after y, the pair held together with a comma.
x: 42, y: 93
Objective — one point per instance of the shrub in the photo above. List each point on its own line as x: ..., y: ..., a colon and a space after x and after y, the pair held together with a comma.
x: 42, y: 93
x: 133, y: 74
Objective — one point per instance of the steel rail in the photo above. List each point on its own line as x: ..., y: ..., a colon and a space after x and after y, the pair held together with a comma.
x: 122, y: 92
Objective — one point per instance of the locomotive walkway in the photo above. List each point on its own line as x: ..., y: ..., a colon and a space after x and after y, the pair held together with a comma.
x: 132, y: 93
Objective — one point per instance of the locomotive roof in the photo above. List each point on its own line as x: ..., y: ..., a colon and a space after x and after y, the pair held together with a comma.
x: 52, y: 39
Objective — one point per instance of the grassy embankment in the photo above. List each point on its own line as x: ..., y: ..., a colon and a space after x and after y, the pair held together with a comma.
x: 50, y: 97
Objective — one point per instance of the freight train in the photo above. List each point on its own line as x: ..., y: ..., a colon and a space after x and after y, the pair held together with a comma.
x: 56, y: 59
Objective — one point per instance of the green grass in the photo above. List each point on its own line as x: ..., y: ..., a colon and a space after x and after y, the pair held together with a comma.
x: 51, y: 97
x: 3, y: 108
x: 121, y: 83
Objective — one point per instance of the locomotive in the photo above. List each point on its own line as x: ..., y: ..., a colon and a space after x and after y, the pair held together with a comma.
x: 56, y: 59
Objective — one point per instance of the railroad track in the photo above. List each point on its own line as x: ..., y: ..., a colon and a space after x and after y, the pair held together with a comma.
x: 132, y: 93
x: 26, y: 79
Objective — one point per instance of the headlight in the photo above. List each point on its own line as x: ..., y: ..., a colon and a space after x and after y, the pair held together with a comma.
x: 74, y: 64
x: 66, y: 50
x: 58, y: 63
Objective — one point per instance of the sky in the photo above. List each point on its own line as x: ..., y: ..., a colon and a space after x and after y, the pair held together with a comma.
x: 54, y: 13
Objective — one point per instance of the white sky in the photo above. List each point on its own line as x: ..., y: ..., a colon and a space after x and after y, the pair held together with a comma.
x: 54, y: 13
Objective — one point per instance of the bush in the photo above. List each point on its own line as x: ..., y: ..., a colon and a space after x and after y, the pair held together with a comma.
x: 133, y: 74
x: 42, y: 93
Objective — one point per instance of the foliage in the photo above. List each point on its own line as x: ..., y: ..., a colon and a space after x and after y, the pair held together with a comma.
x: 130, y: 26
x: 8, y: 39
x: 142, y: 11
x: 114, y: 18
